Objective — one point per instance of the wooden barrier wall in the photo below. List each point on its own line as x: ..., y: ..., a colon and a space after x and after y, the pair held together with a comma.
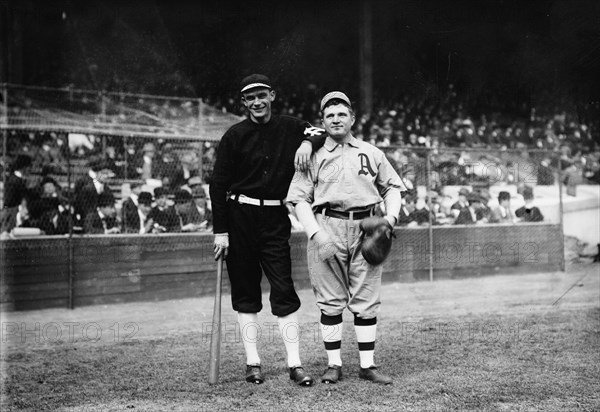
x: 125, y: 268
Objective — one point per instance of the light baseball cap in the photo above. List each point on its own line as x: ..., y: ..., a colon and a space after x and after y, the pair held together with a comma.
x: 335, y: 95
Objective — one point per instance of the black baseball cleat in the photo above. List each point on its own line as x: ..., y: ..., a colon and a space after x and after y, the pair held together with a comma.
x: 332, y: 374
x: 254, y: 375
x: 373, y: 375
x: 298, y: 375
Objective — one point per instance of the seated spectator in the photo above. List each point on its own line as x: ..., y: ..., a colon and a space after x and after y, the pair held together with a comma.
x: 528, y: 212
x: 461, y: 203
x: 15, y: 186
x: 103, y: 220
x: 195, y: 215
x: 164, y: 216
x: 545, y: 175
x: 88, y: 188
x: 130, y: 219
x: 421, y: 216
x: 474, y: 213
x: 406, y: 216
x: 502, y: 212
x: 140, y: 221
x: 15, y: 218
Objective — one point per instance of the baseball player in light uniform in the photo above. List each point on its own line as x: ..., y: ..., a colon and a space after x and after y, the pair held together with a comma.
x: 347, y: 180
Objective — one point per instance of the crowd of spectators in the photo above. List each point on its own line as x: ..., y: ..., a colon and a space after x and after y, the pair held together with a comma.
x: 434, y: 142
x: 90, y: 207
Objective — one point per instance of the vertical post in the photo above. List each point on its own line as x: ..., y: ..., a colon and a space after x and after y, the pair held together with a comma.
x: 366, y: 57
x: 202, y: 135
x: 103, y: 117
x: 430, y: 231
x: 560, y: 215
x: 4, y: 122
x: 70, y: 238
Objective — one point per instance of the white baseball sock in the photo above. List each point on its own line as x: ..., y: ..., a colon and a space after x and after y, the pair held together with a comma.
x: 249, y: 329
x: 290, y: 333
x: 366, y: 331
x: 331, y: 329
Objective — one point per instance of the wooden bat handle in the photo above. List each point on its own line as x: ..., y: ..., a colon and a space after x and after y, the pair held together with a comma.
x: 215, y: 339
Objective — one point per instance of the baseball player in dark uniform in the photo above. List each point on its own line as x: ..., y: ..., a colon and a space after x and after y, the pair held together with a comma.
x: 253, y: 169
x: 346, y: 182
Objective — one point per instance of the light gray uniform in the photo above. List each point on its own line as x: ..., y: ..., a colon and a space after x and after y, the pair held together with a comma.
x: 354, y: 176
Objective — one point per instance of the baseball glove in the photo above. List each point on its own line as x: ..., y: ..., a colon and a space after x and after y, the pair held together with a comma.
x: 376, y: 236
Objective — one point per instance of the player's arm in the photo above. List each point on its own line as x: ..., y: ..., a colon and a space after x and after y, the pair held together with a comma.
x: 313, y: 138
x: 390, y: 186
x: 219, y: 186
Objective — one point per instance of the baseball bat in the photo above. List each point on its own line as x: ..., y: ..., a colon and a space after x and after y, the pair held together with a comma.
x: 215, y: 338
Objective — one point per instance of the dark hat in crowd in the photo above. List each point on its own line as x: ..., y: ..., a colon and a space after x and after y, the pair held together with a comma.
x: 194, y: 180
x: 105, y: 199
x: 97, y: 163
x: 335, y: 96
x: 463, y: 191
x: 474, y: 197
x: 21, y: 162
x: 503, y: 196
x: 254, y: 81
x: 182, y: 196
x: 145, y: 198
x: 160, y: 191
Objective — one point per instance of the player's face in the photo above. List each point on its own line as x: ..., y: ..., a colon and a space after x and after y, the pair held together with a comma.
x: 258, y: 102
x: 337, y: 121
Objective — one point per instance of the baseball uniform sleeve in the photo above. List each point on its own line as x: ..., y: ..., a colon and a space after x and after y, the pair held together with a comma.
x: 221, y: 181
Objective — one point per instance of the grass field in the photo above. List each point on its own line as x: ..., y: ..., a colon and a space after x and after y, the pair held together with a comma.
x: 514, y: 342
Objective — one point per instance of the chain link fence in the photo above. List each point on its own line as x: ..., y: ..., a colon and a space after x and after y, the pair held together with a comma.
x: 108, y: 164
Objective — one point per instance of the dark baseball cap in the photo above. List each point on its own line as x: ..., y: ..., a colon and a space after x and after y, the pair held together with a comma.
x: 253, y: 81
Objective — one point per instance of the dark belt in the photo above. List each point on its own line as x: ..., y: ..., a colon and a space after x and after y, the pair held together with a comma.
x: 362, y: 214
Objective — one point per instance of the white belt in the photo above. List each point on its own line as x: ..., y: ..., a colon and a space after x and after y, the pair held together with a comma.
x: 256, y: 202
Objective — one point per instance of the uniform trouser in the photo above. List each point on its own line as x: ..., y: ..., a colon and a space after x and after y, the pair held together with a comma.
x: 259, y: 241
x: 346, y: 280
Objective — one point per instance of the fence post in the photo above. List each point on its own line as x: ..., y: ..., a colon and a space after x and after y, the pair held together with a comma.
x: 70, y: 237
x: 560, y: 215
x: 430, y: 231
x: 4, y: 122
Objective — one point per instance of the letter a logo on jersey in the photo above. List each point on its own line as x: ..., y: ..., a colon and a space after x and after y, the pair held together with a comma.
x: 365, y: 165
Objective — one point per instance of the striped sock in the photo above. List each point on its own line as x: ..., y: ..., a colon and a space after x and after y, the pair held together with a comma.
x: 249, y: 328
x: 366, y: 331
x: 331, y: 329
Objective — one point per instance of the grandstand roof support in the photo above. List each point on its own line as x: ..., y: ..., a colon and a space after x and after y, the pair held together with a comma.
x: 366, y: 57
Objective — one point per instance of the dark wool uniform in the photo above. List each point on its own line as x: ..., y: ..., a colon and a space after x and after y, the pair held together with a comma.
x: 257, y: 161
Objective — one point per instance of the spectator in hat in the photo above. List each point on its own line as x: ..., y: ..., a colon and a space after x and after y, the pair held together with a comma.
x: 140, y: 222
x: 528, y: 212
x: 421, y: 216
x: 461, y: 203
x: 195, y: 215
x: 502, y: 212
x: 407, y: 212
x: 20, y: 217
x: 148, y: 165
x: 164, y: 215
x: 102, y: 220
x: 15, y: 186
x: 473, y: 214
x: 129, y: 209
x: 88, y: 188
